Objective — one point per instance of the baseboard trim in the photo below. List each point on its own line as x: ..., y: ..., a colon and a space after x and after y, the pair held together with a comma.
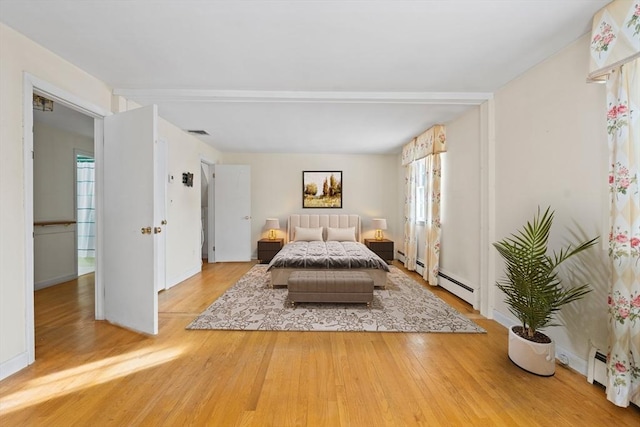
x: 14, y: 365
x: 55, y: 281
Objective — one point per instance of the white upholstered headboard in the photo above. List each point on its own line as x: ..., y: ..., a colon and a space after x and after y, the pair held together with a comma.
x: 313, y: 221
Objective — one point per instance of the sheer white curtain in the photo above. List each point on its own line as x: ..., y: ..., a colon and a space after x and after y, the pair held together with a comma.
x: 85, y: 182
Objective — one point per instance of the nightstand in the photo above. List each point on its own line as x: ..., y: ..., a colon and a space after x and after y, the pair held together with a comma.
x: 383, y: 248
x: 268, y: 248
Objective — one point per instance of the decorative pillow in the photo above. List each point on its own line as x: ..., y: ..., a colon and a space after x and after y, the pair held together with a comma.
x: 308, y: 234
x: 341, y: 234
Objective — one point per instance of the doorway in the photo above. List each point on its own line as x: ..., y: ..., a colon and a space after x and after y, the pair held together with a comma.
x: 59, y: 134
x: 93, y: 114
x: 207, y: 206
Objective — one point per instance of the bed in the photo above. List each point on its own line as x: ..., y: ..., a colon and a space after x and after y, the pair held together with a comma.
x: 325, y: 242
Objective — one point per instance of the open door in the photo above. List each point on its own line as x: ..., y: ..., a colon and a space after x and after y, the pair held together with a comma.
x: 130, y: 260
x: 232, y: 212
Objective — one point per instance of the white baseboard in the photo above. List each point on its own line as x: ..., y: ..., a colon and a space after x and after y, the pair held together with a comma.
x: 55, y: 281
x: 504, y: 320
x: 576, y: 363
x: 171, y: 282
x: 14, y: 365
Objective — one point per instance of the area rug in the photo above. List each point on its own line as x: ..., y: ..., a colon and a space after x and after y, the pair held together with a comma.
x: 404, y: 306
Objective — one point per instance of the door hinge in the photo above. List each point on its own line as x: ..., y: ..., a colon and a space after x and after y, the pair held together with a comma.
x: 214, y: 175
x: 33, y: 155
x: 213, y: 248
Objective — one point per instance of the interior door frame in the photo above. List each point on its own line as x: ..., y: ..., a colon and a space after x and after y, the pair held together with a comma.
x: 211, y: 216
x: 31, y: 85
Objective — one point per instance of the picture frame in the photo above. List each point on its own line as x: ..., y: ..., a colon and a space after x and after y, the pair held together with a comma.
x: 322, y: 189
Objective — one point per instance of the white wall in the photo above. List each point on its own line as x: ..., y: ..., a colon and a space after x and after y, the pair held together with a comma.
x: 55, y: 254
x: 551, y: 149
x: 184, y: 256
x: 460, y: 240
x: 369, y: 186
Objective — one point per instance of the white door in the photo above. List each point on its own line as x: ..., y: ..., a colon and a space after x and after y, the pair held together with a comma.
x: 232, y: 212
x: 130, y: 247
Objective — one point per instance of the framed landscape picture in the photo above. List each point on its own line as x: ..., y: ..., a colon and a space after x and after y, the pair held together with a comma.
x: 322, y: 189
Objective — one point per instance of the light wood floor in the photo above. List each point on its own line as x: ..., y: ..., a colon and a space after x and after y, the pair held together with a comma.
x: 90, y: 373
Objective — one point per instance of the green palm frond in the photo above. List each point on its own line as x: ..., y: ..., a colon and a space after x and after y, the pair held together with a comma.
x: 531, y: 285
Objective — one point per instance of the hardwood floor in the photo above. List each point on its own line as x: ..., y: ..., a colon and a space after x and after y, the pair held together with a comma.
x: 90, y: 373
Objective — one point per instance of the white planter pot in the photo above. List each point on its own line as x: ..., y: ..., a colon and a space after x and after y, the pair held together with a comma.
x: 539, y: 359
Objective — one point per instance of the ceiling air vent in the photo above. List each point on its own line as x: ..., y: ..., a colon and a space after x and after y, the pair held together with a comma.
x: 197, y: 131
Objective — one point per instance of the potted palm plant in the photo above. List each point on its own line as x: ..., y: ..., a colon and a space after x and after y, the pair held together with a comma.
x: 534, y: 291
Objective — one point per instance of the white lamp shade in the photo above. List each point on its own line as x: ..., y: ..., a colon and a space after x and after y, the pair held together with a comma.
x: 379, y: 223
x: 272, y: 224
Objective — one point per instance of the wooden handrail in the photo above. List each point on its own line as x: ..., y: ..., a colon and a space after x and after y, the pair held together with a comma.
x: 65, y: 222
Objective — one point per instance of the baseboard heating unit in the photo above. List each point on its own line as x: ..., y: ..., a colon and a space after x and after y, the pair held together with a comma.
x: 597, y: 367
x: 456, y: 287
x: 447, y: 281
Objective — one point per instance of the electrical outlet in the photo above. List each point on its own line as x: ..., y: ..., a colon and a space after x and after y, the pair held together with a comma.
x: 564, y: 359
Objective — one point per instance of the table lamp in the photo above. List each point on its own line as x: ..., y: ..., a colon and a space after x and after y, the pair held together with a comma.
x: 379, y: 224
x: 272, y: 224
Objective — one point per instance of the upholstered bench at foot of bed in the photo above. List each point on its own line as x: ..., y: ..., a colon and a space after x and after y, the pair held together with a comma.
x: 330, y: 286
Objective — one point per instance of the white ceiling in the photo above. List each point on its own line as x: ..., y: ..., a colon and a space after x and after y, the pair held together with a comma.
x: 304, y: 76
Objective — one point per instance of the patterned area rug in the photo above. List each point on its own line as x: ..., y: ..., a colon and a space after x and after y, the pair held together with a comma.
x: 404, y: 306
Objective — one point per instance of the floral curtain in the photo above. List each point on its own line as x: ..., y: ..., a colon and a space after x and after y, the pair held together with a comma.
x: 426, y: 147
x: 615, y: 37
x: 623, y: 128
x: 410, y: 238
x: 432, y: 226
x: 409, y: 152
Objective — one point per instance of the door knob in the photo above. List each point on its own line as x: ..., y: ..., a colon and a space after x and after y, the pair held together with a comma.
x: 247, y: 217
x: 157, y: 230
x: 163, y: 222
x: 145, y: 230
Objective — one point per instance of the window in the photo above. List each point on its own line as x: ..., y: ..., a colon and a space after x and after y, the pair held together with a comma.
x: 421, y: 188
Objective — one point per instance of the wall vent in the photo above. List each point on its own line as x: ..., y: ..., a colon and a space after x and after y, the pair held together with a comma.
x: 197, y: 132
x: 456, y: 282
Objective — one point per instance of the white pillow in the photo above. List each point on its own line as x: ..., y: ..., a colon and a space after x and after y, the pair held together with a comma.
x: 307, y: 234
x: 341, y: 234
